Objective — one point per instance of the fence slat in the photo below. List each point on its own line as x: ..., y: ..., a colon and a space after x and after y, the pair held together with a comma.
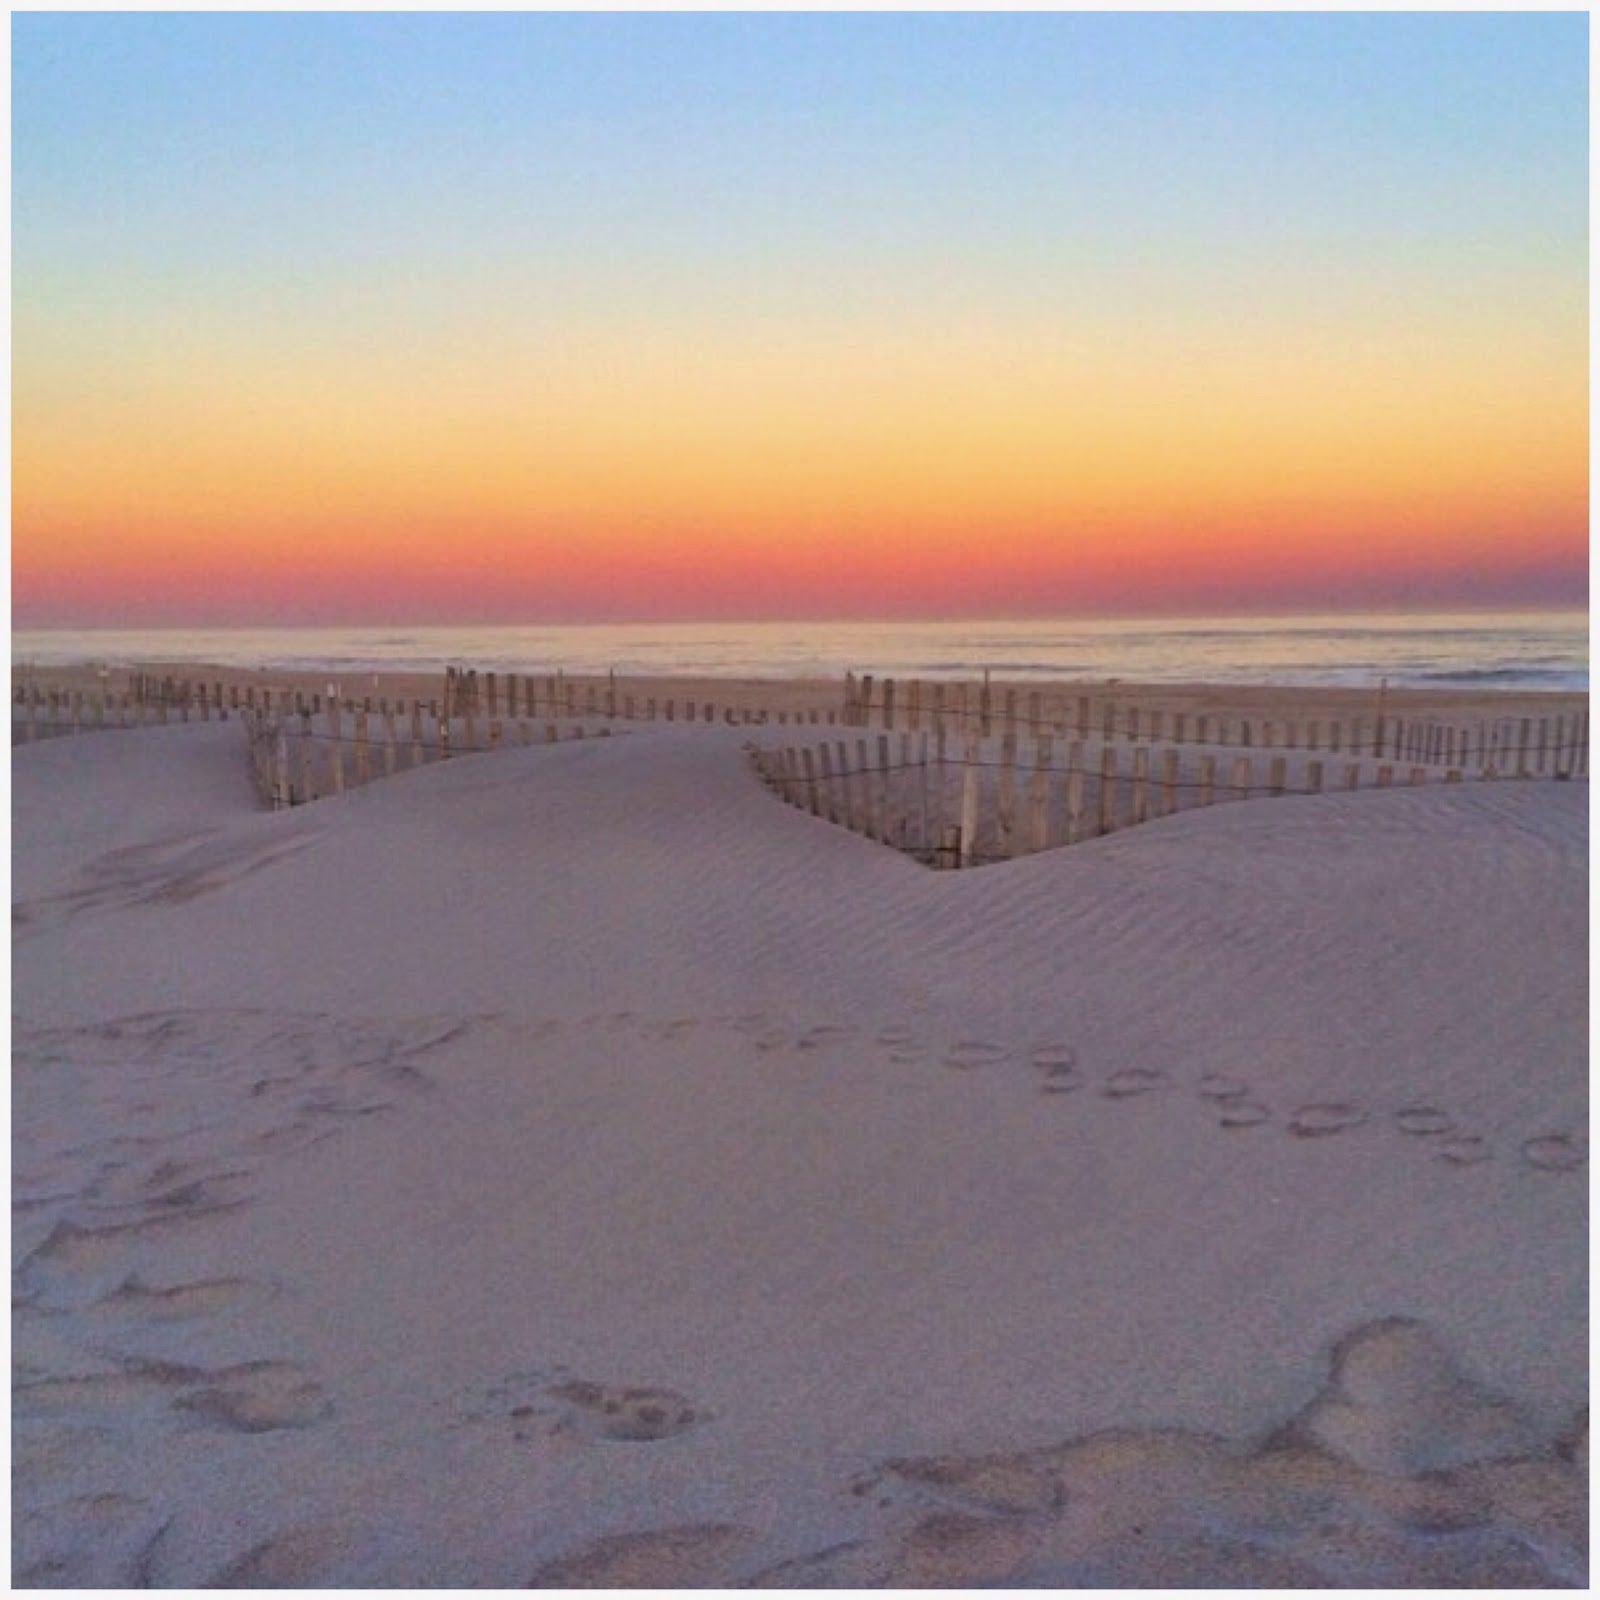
x: 1040, y: 798
x: 1108, y: 788
x: 969, y: 801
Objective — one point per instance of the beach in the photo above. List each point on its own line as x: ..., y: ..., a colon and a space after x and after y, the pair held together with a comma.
x: 566, y: 1165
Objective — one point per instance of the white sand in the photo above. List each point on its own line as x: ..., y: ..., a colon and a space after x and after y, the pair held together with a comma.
x: 569, y: 1164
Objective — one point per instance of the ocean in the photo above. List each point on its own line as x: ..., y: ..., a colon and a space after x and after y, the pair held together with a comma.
x: 1468, y: 650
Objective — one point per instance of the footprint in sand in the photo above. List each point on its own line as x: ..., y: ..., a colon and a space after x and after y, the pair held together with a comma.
x: 1127, y: 1082
x: 905, y: 1046
x: 1463, y: 1150
x: 137, y: 1301
x: 1242, y: 1113
x: 1058, y: 1064
x: 1424, y: 1121
x: 672, y: 1031
x: 72, y: 1253
x: 1219, y: 1086
x: 90, y: 1541
x: 763, y: 1031
x: 819, y: 1038
x: 698, y: 1556
x: 969, y: 1053
x: 172, y: 1189
x: 1324, y: 1119
x: 1016, y: 1485
x: 299, y: 1559
x: 1556, y: 1152
x: 131, y: 1387
x: 259, y: 1397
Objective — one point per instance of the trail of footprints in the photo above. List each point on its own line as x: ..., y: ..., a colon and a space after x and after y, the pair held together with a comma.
x: 90, y: 1210
x: 1233, y: 1102
x: 99, y: 1203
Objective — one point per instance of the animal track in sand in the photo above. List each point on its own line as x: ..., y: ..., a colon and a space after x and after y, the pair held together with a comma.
x: 545, y: 1404
x: 1127, y: 1082
x: 1556, y: 1152
x: 1219, y: 1086
x: 1325, y: 1118
x: 1424, y: 1121
x: 627, y: 1413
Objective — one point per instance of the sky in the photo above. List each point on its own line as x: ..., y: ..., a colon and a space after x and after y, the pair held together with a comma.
x: 348, y: 318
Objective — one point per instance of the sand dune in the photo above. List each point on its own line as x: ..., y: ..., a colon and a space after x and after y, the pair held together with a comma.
x: 570, y: 1166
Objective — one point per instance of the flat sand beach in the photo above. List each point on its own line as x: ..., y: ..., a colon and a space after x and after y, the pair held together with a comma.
x: 568, y: 1166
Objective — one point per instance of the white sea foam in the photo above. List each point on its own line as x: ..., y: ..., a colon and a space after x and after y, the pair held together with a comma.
x: 1483, y: 650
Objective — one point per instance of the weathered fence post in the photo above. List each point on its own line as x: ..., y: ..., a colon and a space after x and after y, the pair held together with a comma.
x: 1039, y: 802
x: 282, y: 794
x: 1072, y: 794
x: 336, y: 740
x: 969, y: 801
x: 1241, y: 777
x: 1108, y: 788
x: 1141, y: 784
x: 1005, y: 801
x: 830, y: 795
x: 308, y: 787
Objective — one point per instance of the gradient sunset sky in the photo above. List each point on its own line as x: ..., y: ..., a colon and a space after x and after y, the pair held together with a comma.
x: 366, y: 318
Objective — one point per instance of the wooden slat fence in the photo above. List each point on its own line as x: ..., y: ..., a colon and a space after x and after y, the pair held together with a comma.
x: 1527, y: 746
x: 953, y: 802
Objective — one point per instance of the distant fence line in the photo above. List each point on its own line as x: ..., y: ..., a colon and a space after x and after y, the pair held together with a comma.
x: 1529, y: 744
x: 155, y: 702
x: 990, y: 803
x: 303, y: 751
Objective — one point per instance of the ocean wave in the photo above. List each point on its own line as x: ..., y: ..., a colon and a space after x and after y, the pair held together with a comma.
x: 1517, y: 674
